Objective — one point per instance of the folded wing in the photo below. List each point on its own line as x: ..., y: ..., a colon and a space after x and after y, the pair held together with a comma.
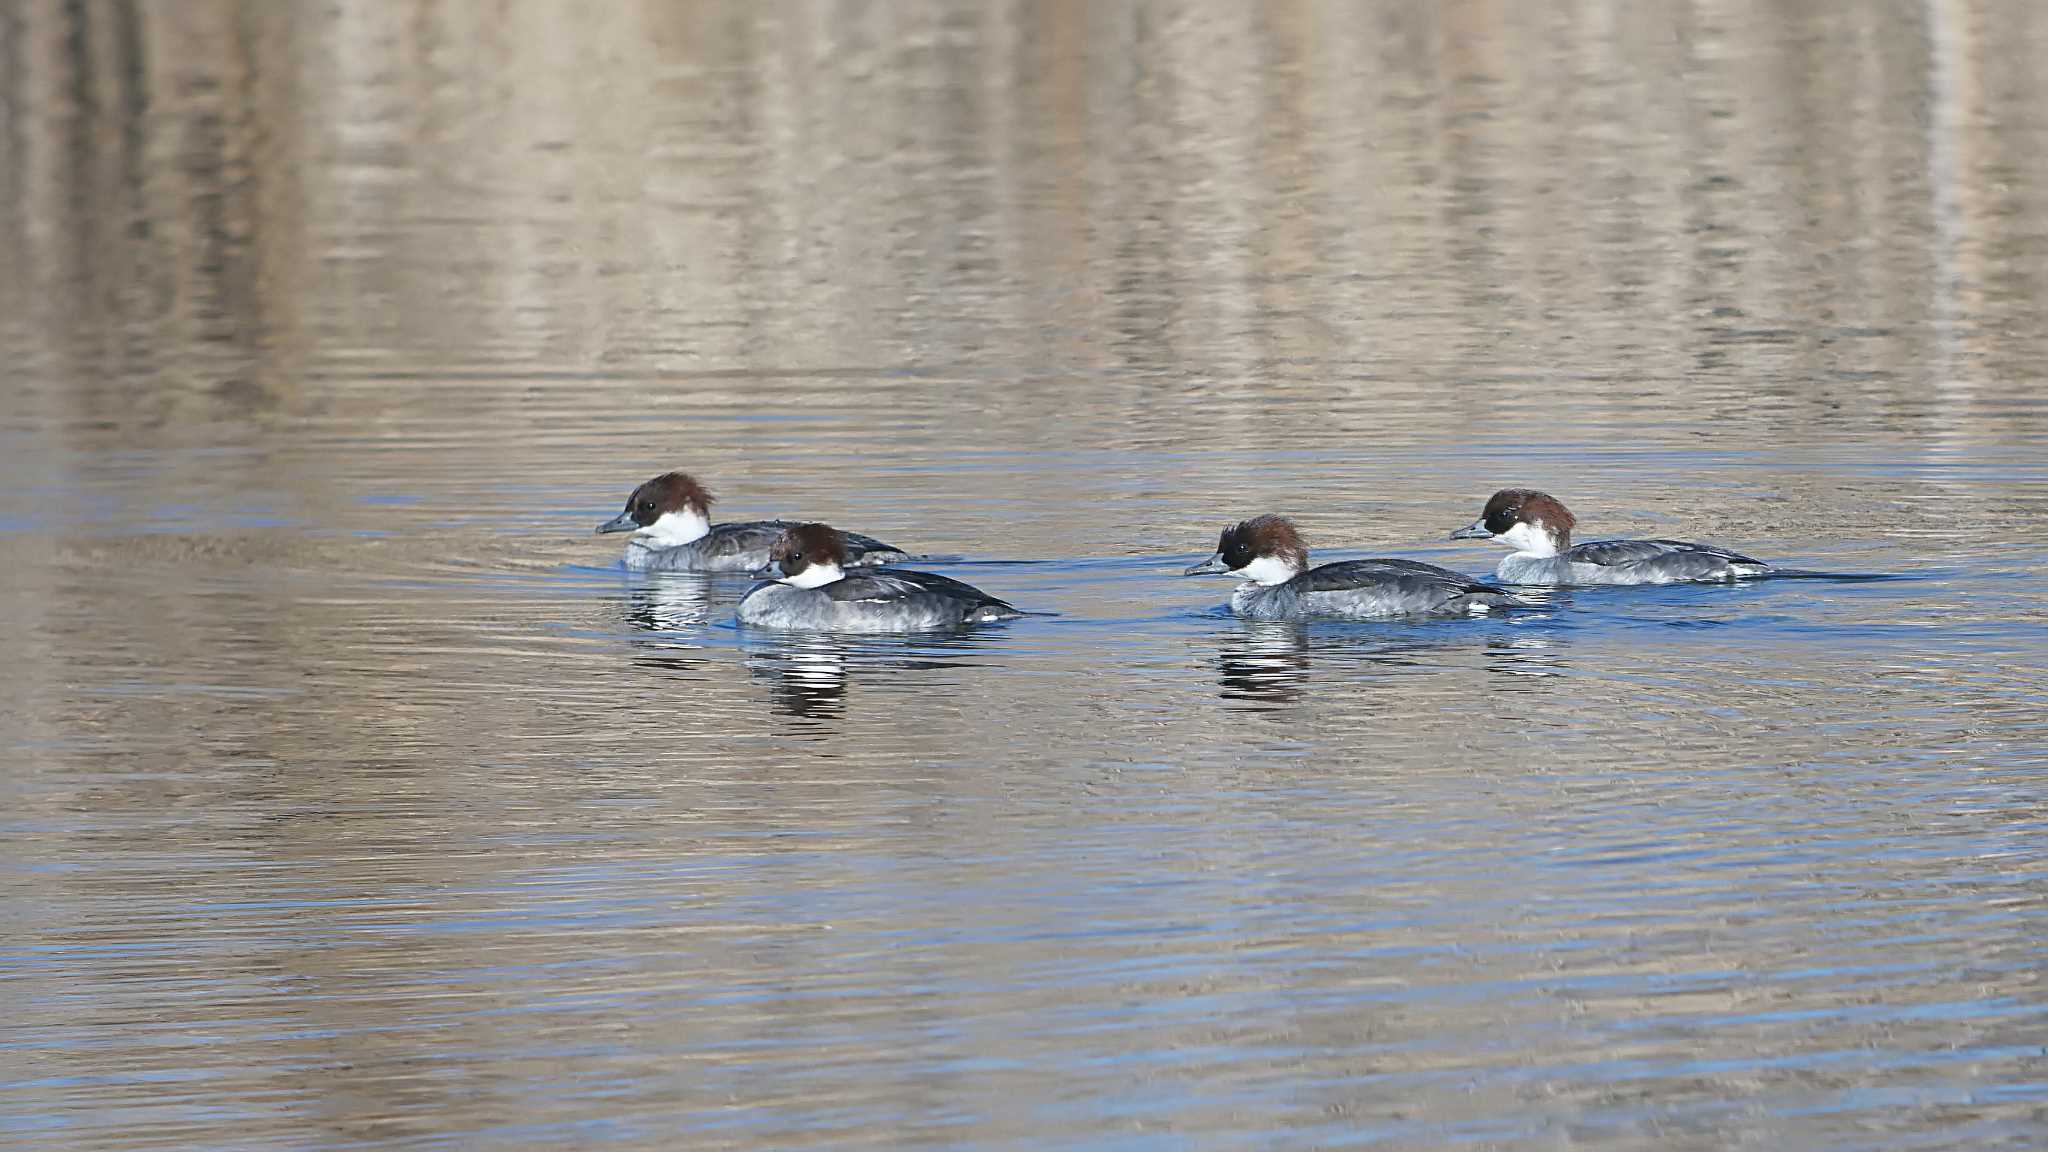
x: 749, y: 539
x: 899, y: 585
x: 1406, y: 576
x: 1667, y: 559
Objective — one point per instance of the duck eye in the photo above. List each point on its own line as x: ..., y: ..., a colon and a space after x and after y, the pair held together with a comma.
x: 647, y: 505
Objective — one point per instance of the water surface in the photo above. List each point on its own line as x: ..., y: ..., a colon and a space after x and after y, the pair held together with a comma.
x: 357, y: 798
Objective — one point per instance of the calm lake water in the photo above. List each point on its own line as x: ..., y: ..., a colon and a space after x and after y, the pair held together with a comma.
x: 356, y: 797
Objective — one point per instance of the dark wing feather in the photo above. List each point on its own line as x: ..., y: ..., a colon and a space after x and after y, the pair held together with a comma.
x: 740, y: 537
x: 883, y: 585
x: 1635, y: 551
x: 1668, y: 560
x: 1347, y: 574
x: 759, y: 536
x: 865, y: 585
x: 858, y: 546
x: 746, y: 536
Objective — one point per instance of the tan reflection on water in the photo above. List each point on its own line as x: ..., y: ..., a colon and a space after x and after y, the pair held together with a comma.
x: 354, y: 802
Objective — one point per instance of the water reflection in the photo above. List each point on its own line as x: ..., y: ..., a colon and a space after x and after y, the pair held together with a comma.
x: 668, y: 613
x: 1275, y: 662
x: 1531, y: 654
x: 676, y: 601
x: 1264, y: 662
x: 808, y: 672
x: 805, y: 674
x: 304, y: 300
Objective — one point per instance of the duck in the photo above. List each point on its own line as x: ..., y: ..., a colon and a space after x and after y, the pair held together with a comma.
x: 1537, y: 528
x: 806, y: 585
x: 670, y: 519
x: 1269, y: 553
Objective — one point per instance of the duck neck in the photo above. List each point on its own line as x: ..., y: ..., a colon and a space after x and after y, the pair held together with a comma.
x: 1266, y: 571
x: 815, y: 576
x: 673, y: 529
x: 1534, y: 539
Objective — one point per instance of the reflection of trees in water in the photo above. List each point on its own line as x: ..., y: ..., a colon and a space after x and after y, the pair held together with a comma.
x: 154, y: 180
x: 215, y: 195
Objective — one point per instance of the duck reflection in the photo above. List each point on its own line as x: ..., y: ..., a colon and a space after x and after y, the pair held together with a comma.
x: 1271, y: 663
x: 671, y: 601
x: 806, y: 675
x: 1267, y: 662
x: 1533, y: 655
x: 808, y: 672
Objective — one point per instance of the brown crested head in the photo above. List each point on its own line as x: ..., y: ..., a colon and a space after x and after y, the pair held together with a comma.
x: 802, y: 545
x: 1512, y: 506
x: 668, y: 492
x: 1267, y: 535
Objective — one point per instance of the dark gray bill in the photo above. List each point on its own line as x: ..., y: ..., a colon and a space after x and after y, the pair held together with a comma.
x: 1209, y: 567
x: 1476, y: 530
x: 623, y: 522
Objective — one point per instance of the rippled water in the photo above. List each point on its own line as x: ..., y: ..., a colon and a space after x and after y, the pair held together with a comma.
x: 357, y: 797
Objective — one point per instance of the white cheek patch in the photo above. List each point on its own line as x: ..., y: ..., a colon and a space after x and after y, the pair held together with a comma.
x: 1533, y: 538
x: 1267, y: 570
x: 674, y: 528
x: 813, y: 576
